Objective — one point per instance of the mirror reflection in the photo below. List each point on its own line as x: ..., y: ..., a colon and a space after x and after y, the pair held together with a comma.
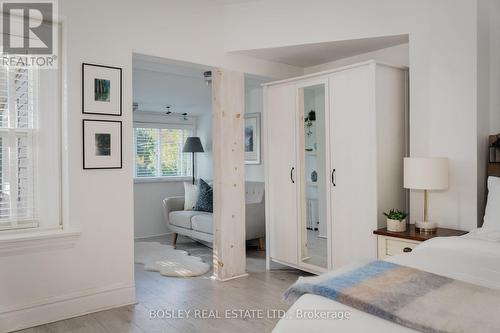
x: 314, y: 176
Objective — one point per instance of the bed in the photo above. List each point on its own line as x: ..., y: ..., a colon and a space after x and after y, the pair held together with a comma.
x: 472, y: 258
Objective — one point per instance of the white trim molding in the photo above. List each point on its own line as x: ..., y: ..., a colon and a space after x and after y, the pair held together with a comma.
x: 139, y: 180
x: 22, y: 316
x: 35, y: 240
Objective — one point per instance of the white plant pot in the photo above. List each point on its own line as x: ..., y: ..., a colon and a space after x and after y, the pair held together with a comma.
x: 396, y: 225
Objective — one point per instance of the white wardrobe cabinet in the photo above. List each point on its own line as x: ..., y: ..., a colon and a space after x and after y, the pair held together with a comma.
x: 282, y: 173
x: 334, y: 144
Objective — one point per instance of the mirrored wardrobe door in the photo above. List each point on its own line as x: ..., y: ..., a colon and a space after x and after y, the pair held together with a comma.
x: 314, y: 175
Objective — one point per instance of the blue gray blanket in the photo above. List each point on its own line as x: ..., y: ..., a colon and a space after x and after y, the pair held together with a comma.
x: 409, y: 297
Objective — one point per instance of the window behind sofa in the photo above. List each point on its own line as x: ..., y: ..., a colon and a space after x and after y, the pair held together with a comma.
x: 158, y: 151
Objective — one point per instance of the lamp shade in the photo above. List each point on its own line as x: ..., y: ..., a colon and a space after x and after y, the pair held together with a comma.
x: 426, y: 173
x: 192, y: 145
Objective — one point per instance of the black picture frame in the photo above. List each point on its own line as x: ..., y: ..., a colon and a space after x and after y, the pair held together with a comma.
x: 83, y: 144
x: 83, y: 90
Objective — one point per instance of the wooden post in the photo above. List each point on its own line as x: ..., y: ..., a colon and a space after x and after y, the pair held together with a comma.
x: 228, y: 98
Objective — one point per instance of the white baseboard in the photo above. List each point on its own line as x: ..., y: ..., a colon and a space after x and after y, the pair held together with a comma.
x: 213, y: 277
x: 64, y: 307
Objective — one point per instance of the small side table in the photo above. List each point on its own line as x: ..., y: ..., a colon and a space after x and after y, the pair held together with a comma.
x: 391, y: 243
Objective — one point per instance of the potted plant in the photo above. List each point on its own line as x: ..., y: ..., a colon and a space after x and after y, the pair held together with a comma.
x: 396, y: 220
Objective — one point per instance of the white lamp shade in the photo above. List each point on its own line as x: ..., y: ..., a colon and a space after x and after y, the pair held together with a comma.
x: 425, y: 173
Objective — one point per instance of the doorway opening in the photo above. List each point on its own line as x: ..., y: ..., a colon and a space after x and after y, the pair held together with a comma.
x: 174, y: 162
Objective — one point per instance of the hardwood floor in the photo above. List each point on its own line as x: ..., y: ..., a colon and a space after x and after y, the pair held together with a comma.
x: 259, y: 292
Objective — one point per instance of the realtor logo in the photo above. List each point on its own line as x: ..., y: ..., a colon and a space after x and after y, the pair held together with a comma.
x: 27, y: 27
x: 29, y: 34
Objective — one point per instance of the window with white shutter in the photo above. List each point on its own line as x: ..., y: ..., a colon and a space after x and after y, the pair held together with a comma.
x: 17, y: 136
x: 158, y: 151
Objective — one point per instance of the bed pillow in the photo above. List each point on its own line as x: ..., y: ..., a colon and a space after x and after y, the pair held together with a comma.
x: 486, y: 234
x: 191, y: 193
x: 205, y: 198
x: 492, y: 212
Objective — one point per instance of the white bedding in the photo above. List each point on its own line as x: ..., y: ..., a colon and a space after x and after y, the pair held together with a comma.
x: 472, y: 258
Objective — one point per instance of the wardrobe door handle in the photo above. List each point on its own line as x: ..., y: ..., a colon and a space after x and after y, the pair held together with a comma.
x: 333, y: 178
x: 291, y: 175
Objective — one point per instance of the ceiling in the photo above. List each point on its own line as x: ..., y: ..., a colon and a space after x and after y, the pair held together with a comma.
x: 315, y: 54
x: 159, y: 82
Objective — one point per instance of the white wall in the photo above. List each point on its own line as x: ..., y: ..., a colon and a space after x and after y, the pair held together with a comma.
x: 443, y: 73
x: 204, y: 168
x: 254, y: 103
x: 148, y: 214
x: 488, y: 87
x: 394, y: 55
x: 97, y: 271
x: 494, y: 68
x: 483, y: 99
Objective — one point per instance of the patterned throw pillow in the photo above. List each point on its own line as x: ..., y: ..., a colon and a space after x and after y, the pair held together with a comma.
x: 190, y: 195
x: 205, y: 198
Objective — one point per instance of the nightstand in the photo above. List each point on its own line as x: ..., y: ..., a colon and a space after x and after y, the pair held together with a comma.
x: 391, y: 243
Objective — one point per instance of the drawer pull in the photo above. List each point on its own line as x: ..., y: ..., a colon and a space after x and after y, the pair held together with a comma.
x: 407, y: 249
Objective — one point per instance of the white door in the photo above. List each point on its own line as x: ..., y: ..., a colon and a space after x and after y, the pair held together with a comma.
x: 352, y: 133
x: 280, y: 123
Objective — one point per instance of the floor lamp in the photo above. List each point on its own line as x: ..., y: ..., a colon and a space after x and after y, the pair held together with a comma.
x: 193, y: 145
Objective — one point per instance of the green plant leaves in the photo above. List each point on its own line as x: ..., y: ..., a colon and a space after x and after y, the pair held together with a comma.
x: 396, y: 214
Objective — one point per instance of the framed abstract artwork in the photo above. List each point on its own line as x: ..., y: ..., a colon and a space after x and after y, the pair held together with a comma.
x: 102, y: 144
x: 101, y: 90
x: 252, y: 138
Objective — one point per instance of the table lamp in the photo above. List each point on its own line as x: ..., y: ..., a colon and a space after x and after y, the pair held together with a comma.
x: 193, y: 145
x: 426, y: 173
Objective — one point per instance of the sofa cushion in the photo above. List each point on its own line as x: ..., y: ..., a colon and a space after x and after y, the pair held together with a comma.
x: 254, y: 192
x: 182, y: 218
x: 203, y: 223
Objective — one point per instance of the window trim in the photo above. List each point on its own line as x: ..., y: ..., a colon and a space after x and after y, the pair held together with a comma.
x: 144, y: 124
x: 156, y: 179
x: 67, y: 232
x: 33, y: 239
x: 142, y: 180
x: 13, y: 132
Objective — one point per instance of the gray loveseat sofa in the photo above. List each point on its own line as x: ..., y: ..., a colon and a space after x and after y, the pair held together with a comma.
x: 199, y: 225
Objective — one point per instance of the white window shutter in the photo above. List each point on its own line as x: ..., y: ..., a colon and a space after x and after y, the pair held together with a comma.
x: 159, y: 152
x: 146, y: 143
x: 17, y: 181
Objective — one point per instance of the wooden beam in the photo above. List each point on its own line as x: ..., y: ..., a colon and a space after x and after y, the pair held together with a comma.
x: 228, y: 98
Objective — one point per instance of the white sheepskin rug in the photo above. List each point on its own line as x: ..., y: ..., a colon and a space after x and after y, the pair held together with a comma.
x: 168, y: 261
